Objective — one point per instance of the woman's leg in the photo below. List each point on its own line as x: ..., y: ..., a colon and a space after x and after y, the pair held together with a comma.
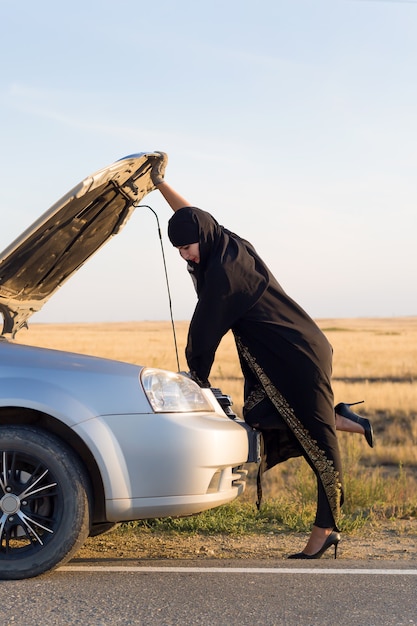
x: 322, y: 536
x: 323, y: 524
x: 347, y: 426
x: 316, y: 540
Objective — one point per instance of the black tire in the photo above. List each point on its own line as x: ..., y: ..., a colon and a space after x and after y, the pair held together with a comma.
x: 44, y: 502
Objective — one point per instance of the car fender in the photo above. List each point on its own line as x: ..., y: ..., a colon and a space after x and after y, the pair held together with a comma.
x: 26, y: 393
x: 44, y: 397
x: 105, y: 448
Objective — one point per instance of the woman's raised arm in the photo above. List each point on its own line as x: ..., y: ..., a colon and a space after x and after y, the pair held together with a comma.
x: 173, y: 198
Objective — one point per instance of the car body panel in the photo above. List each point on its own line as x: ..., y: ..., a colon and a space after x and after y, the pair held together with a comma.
x: 176, y: 506
x: 49, y: 380
x: 165, y: 463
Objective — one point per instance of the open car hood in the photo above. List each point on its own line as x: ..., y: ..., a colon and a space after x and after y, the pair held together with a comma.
x: 63, y: 238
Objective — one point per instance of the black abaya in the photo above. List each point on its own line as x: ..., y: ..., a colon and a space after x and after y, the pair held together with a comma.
x: 286, y: 360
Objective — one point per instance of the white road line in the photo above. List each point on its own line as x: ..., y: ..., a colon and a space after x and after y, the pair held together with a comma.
x: 236, y: 570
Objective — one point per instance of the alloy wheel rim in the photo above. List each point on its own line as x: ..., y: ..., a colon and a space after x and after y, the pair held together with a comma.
x: 29, y: 504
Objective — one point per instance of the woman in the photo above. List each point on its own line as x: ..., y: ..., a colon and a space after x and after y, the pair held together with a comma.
x: 285, y: 358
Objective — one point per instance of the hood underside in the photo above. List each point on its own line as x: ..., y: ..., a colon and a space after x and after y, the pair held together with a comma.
x: 38, y: 262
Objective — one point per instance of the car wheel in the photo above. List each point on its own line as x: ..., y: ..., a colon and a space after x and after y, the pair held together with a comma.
x: 44, y: 502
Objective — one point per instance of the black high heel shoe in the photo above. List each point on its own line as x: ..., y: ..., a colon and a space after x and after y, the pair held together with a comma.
x: 343, y: 409
x: 332, y: 540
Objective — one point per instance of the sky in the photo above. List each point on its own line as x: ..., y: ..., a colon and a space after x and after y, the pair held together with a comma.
x: 294, y: 122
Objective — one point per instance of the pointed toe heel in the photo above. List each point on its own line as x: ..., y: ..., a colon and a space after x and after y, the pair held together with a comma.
x: 343, y: 409
x: 332, y: 540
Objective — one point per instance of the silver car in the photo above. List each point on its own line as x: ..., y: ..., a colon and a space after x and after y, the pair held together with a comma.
x: 87, y: 442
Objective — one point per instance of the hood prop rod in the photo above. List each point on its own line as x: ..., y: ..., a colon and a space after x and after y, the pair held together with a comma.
x: 146, y: 206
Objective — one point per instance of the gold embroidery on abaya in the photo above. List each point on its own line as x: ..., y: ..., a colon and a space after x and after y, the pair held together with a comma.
x: 324, y: 466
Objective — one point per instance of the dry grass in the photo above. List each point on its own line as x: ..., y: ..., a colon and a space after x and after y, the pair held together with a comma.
x: 364, y: 349
x: 374, y: 360
x: 373, y: 348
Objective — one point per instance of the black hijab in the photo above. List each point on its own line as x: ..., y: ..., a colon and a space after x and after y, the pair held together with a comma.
x: 229, y: 280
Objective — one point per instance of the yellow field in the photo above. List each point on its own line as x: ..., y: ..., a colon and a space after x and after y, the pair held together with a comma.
x: 374, y: 360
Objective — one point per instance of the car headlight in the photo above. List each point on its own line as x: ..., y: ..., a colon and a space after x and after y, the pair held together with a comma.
x: 170, y: 392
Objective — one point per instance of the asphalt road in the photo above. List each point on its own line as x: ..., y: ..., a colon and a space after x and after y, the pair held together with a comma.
x: 215, y: 593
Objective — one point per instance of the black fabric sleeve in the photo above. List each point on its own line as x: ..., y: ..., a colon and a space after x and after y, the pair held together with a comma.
x: 217, y: 310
